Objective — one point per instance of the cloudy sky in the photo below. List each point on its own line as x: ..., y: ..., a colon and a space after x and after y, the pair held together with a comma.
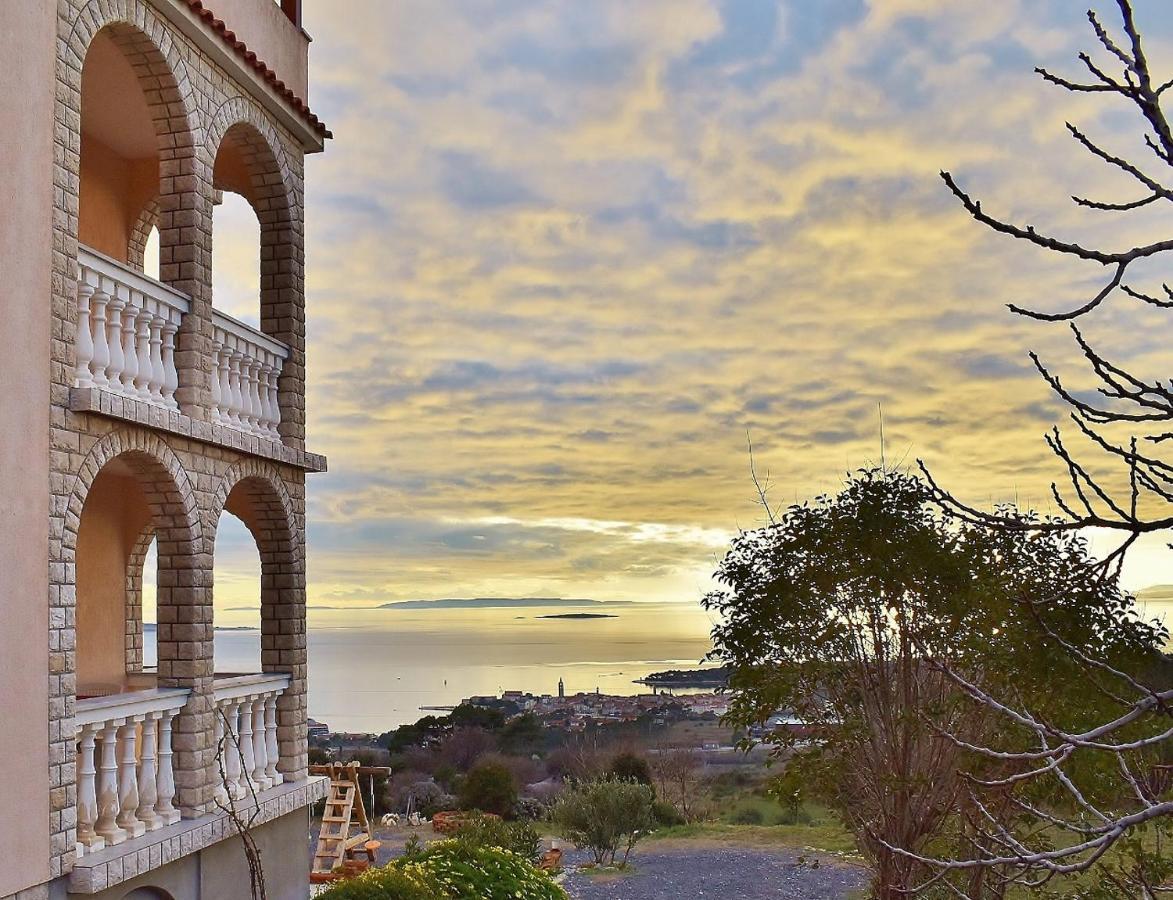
x: 564, y: 255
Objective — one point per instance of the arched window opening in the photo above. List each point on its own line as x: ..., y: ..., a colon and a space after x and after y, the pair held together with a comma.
x: 236, y: 259
x: 148, y: 612
x: 119, y: 167
x: 151, y: 254
x: 237, y: 598
x: 119, y: 568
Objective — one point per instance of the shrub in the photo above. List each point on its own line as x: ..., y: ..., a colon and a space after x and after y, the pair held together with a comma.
x: 749, y: 815
x: 489, y: 787
x: 606, y: 815
x: 666, y: 815
x: 388, y: 883
x: 517, y: 837
x: 529, y: 809
x: 459, y: 871
x: 451, y: 870
x: 632, y: 767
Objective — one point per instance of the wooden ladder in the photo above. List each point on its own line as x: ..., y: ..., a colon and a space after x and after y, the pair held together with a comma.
x: 334, y: 840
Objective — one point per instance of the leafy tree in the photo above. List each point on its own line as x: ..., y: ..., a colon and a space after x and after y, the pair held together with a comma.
x: 1125, y: 422
x: 632, y: 767
x: 468, y: 716
x: 605, y: 816
x: 854, y: 612
x: 523, y: 734
x: 489, y: 787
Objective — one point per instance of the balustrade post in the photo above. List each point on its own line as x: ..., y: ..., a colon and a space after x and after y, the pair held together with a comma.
x: 142, y: 350
x: 129, y: 351
x: 222, y: 746
x: 269, y: 396
x: 260, y: 748
x: 217, y: 393
x: 114, y: 307
x: 87, y: 798
x: 236, y: 405
x: 155, y: 384
x: 85, y: 339
x: 148, y: 794
x: 247, y: 759
x: 128, y: 780
x: 271, y: 750
x: 255, y: 414
x: 233, y: 762
x: 168, y: 814
x: 170, y: 375
x: 101, y: 358
x: 106, y: 824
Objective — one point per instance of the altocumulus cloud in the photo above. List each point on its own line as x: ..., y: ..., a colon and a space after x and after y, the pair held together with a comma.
x: 562, y: 255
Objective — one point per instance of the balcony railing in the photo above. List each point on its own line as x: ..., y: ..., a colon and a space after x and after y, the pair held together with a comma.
x: 126, y: 331
x: 244, y: 387
x: 246, y: 734
x: 125, y: 781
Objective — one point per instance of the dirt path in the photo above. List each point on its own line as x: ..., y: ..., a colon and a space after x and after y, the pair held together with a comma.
x: 676, y: 871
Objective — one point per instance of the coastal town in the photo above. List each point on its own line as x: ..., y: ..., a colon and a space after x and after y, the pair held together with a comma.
x: 568, y: 713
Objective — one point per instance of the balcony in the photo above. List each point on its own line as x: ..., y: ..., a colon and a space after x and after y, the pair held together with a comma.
x: 126, y: 821
x: 126, y: 363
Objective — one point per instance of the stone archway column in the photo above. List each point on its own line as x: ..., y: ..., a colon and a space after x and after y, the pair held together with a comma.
x: 283, y: 640
x: 185, y: 640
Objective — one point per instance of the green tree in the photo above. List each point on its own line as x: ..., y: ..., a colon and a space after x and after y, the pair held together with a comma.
x: 489, y: 787
x: 605, y: 816
x: 630, y: 766
x: 854, y: 612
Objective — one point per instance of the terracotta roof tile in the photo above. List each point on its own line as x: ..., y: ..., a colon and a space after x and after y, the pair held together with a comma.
x: 241, y: 49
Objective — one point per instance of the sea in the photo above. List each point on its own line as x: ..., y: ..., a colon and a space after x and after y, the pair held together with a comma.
x: 372, y: 670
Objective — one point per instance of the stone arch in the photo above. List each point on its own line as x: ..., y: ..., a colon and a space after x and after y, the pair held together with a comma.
x: 148, y: 893
x: 134, y: 598
x: 268, y: 182
x: 255, y: 492
x: 140, y: 233
x: 184, y: 593
x: 162, y: 75
x: 183, y: 204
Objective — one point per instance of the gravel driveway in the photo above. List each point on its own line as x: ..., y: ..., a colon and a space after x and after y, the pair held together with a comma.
x: 685, y: 872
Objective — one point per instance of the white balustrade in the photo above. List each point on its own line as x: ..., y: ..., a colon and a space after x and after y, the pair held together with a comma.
x: 246, y: 734
x: 126, y: 329
x: 125, y: 782
x: 246, y: 367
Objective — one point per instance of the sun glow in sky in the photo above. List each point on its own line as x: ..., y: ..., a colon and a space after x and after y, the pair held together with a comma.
x: 563, y: 255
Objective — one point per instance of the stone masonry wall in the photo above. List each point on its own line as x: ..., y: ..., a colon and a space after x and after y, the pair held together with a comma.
x: 194, y: 104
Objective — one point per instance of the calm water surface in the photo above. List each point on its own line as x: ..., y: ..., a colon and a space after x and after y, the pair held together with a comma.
x: 371, y: 670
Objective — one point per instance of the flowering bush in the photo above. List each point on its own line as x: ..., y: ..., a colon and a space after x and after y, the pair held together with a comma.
x: 451, y: 870
x: 388, y: 883
x: 465, y: 872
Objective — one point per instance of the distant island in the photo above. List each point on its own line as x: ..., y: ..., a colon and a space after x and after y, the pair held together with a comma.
x: 495, y: 603
x: 689, y: 678
x: 578, y: 616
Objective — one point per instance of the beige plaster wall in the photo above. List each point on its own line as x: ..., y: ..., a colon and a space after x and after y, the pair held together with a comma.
x: 113, y: 193
x: 114, y: 515
x: 27, y: 46
x: 224, y: 873
x: 276, y: 40
x: 220, y: 871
